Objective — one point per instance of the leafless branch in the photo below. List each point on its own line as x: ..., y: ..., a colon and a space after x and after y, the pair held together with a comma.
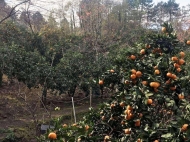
x: 12, y: 11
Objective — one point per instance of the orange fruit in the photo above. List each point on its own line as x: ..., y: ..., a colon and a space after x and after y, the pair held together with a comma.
x: 163, y: 29
x: 138, y: 73
x: 129, y: 116
x: 173, y: 88
x: 148, y: 46
x: 75, y: 124
x: 139, y: 140
x: 145, y: 83
x: 137, y: 123
x: 149, y: 101
x: 188, y: 42
x: 112, y: 105
x: 155, y: 90
x: 101, y: 82
x: 112, y: 71
x: 133, y: 71
x: 184, y: 127
x: 174, y: 76
x: 156, y: 141
x: 134, y: 81
x: 154, y: 84
x: 127, y: 131
x: 106, y: 137
x: 181, y: 61
x: 157, y: 72
x: 103, y: 118
x: 168, y: 81
x: 142, y: 51
x: 122, y: 104
x: 122, y: 122
x: 127, y: 111
x: 178, y: 69
x: 133, y: 76
x: 52, y: 136
x: 86, y: 127
x: 176, y: 65
x: 180, y: 96
x: 140, y: 115
x: 169, y: 75
x: 175, y: 59
x: 64, y: 125
x: 155, y: 67
x: 129, y: 107
x: 182, y: 54
x: 133, y: 57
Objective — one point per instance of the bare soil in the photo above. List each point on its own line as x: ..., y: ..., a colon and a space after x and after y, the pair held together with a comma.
x: 21, y: 110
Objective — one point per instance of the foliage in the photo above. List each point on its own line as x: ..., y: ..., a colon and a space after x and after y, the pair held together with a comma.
x: 151, y: 106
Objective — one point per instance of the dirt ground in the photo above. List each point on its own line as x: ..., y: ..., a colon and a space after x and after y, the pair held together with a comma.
x: 21, y: 109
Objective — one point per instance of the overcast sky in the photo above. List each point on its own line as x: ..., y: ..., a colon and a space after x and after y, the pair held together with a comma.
x: 45, y: 6
x: 181, y: 2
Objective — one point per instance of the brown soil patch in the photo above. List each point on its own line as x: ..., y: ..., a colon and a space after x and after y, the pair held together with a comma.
x: 21, y: 110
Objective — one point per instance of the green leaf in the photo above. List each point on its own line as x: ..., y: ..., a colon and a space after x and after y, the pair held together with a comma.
x: 148, y: 94
x: 168, y: 135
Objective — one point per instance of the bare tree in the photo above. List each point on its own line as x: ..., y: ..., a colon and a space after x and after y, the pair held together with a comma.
x: 13, y: 11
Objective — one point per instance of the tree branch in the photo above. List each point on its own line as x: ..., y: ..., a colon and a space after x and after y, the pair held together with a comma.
x: 12, y: 11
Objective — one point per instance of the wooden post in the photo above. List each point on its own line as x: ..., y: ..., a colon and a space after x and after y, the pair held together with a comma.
x: 90, y: 96
x: 74, y: 110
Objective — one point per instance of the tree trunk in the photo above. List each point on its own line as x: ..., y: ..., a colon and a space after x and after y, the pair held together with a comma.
x: 1, y: 78
x: 44, y: 95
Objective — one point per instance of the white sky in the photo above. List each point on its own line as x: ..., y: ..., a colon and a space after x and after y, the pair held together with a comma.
x: 180, y: 2
x: 45, y: 6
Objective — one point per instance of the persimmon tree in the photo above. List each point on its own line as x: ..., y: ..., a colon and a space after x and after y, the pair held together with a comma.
x: 150, y: 102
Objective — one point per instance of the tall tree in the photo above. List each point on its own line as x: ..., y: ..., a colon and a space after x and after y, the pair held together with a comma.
x: 38, y: 20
